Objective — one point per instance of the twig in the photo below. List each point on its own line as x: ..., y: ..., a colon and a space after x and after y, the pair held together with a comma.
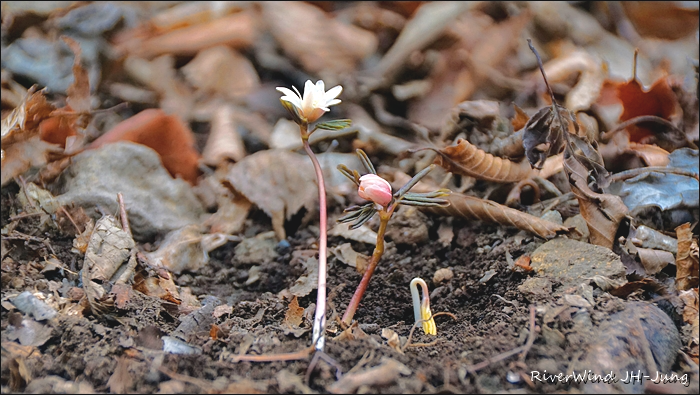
x: 24, y: 188
x: 70, y: 218
x: 531, y: 335
x: 415, y: 325
x: 627, y: 174
x: 290, y: 356
x: 314, y: 361
x: 23, y: 216
x: 644, y: 118
x: 122, y: 214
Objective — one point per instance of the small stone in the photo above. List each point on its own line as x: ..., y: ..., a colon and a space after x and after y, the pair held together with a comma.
x: 570, y: 262
x: 535, y: 288
x: 408, y: 226
x: 258, y: 249
x: 552, y: 216
x: 581, y: 232
x: 444, y: 274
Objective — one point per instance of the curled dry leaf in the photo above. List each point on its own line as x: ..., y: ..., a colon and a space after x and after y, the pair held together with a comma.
x: 278, y: 181
x: 466, y: 159
x: 485, y: 210
x: 168, y: 135
x: 687, y: 259
x: 320, y: 44
x: 224, y: 141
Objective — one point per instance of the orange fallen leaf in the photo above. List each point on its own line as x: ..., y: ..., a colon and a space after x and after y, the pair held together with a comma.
x: 658, y: 101
x: 169, y: 136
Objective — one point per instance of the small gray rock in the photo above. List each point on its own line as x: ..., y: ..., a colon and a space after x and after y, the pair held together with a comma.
x: 155, y: 202
x: 536, y: 288
x: 571, y: 262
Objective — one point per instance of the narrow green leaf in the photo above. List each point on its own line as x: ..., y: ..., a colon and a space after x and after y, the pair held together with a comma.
x: 365, y: 161
x: 335, y: 124
x: 413, y: 181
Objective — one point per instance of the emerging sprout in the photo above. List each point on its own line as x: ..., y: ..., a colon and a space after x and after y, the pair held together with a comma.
x: 421, y: 309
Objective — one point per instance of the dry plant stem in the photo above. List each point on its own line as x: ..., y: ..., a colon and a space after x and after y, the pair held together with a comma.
x: 384, y: 216
x: 319, y: 326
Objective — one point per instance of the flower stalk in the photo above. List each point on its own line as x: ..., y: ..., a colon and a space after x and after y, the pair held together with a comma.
x: 374, y: 188
x: 305, y: 110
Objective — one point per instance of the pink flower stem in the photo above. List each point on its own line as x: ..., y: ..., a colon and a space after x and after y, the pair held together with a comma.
x: 384, y: 216
x: 319, y: 327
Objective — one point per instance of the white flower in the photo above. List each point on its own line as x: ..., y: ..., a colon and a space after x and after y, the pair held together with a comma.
x: 313, y: 104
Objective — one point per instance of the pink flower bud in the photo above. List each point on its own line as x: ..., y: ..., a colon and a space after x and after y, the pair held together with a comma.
x: 374, y: 188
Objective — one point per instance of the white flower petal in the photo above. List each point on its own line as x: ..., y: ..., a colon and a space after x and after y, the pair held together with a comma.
x: 333, y: 93
x: 332, y: 102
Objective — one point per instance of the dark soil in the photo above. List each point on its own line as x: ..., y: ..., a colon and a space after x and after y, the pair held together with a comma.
x: 492, y: 317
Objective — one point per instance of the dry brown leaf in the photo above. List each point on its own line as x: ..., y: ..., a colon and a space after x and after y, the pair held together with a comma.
x: 457, y: 78
x: 294, y: 315
x: 520, y: 118
x: 386, y: 373
x: 687, y: 259
x: 158, y: 287
x: 544, y: 135
x: 224, y: 141
x: 654, y: 260
x: 690, y: 311
x: 181, y: 250
x: 661, y: 19
x: 649, y: 284
x: 222, y: 70
x: 485, y: 210
x: 428, y: 23
x: 469, y: 160
x: 320, y: 44
x: 79, y: 91
x: 278, y: 181
x: 350, y: 257
x: 603, y: 212
x: 658, y: 101
x: 650, y: 154
x: 160, y: 75
x: 590, y: 82
x: 237, y: 30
